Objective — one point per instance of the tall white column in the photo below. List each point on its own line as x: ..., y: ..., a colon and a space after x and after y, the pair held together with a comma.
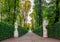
x: 45, y: 23
x: 16, y: 30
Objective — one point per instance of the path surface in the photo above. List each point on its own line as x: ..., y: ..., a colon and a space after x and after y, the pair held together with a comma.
x: 31, y: 37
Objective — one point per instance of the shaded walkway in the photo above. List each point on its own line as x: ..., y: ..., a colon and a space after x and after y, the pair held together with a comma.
x: 31, y: 37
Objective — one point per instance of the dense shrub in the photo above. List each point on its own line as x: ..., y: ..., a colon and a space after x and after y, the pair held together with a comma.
x: 38, y: 30
x: 22, y: 31
x: 54, y: 30
x: 6, y: 31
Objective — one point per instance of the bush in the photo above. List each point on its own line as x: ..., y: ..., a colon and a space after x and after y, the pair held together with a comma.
x: 6, y: 31
x: 54, y: 30
x: 38, y: 31
x: 22, y: 31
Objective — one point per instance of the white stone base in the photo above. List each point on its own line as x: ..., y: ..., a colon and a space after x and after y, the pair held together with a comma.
x: 45, y: 33
x: 15, y: 34
x: 45, y: 23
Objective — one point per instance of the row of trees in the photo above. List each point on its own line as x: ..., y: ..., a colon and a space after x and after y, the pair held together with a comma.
x: 25, y: 8
x: 14, y: 10
x: 47, y: 9
x: 37, y: 14
x: 9, y: 9
x: 46, y: 13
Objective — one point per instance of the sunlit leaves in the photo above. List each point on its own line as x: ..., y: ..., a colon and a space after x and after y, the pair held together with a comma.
x: 8, y: 9
x: 27, y: 6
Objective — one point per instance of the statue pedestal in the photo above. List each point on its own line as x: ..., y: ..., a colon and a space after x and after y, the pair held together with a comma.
x: 45, y: 32
x: 16, y: 31
x: 45, y: 23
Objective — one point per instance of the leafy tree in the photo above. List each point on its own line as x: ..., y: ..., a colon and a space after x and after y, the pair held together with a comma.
x: 57, y: 11
x: 25, y: 9
x: 10, y: 10
x: 38, y: 11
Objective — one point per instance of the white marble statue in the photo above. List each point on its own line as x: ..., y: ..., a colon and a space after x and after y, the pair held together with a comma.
x: 16, y: 31
x: 45, y: 23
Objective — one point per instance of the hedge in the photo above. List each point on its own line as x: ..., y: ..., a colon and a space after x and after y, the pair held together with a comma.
x: 22, y: 31
x: 38, y: 31
x: 54, y: 30
x: 6, y: 31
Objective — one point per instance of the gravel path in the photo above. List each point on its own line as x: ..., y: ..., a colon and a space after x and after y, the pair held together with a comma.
x: 31, y: 37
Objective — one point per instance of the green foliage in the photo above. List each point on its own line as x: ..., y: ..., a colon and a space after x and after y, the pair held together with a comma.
x: 54, y: 30
x: 59, y: 10
x: 49, y: 11
x: 38, y: 30
x: 22, y: 31
x: 27, y: 6
x: 10, y: 9
x: 51, y: 18
x: 38, y: 12
x: 34, y: 20
x: 6, y: 31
